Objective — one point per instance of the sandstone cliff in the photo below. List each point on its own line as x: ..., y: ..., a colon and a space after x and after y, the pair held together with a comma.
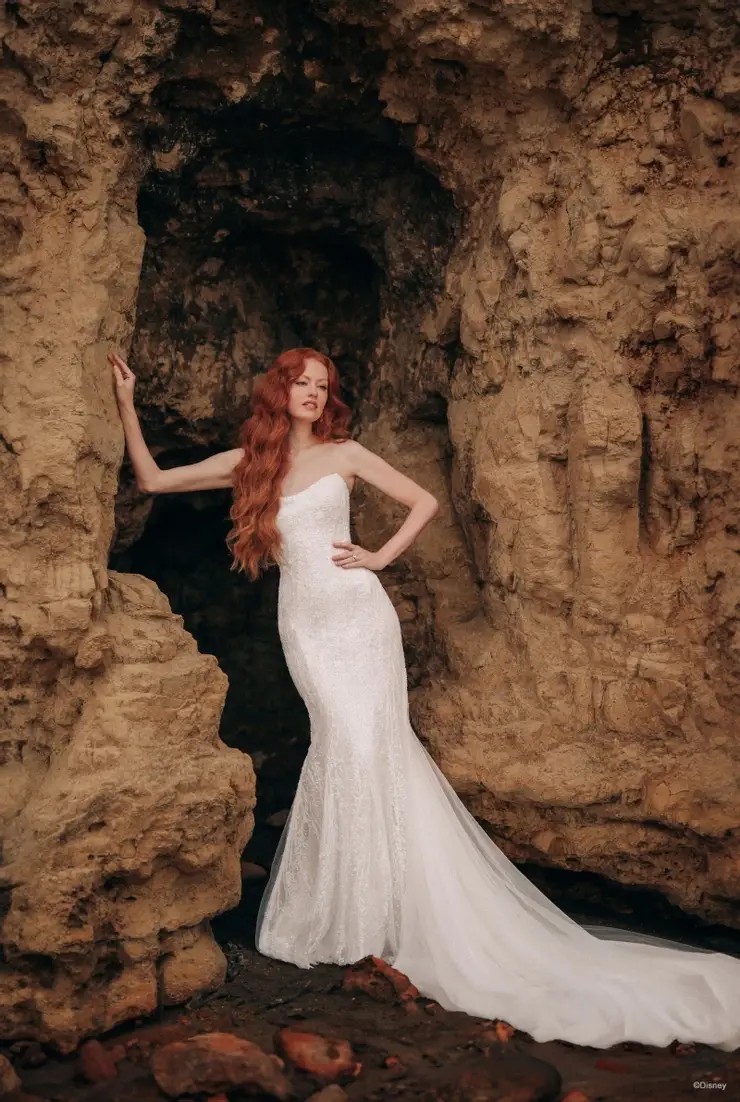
x: 516, y: 228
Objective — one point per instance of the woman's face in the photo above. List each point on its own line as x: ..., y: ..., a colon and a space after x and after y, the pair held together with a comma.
x: 311, y: 386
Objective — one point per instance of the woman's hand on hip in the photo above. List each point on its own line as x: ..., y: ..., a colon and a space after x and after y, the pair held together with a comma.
x: 353, y: 555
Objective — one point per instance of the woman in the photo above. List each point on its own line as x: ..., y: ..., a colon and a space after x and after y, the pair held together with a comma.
x: 378, y: 854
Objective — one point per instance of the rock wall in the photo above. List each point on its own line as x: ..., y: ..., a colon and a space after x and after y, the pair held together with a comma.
x: 122, y: 814
x: 592, y: 711
x: 545, y: 202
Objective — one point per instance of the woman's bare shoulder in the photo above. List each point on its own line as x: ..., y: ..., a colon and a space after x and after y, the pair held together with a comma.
x: 345, y: 461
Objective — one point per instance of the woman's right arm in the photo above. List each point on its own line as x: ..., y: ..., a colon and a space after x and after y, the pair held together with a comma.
x: 213, y: 473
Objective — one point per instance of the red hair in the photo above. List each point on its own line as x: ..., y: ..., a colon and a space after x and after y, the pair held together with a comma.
x: 254, y: 540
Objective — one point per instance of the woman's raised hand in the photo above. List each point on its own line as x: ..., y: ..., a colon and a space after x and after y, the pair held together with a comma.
x: 123, y: 378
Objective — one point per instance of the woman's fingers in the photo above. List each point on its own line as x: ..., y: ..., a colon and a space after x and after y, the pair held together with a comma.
x: 124, y: 379
x: 347, y: 553
x: 119, y: 362
x: 121, y: 370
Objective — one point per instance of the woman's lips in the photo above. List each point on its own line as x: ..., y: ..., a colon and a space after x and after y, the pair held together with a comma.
x: 313, y: 404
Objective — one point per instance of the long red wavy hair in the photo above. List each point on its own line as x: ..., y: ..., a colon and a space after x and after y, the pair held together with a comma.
x: 254, y: 540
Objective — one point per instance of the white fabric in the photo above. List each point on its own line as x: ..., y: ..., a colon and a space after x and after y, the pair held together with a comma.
x: 380, y: 856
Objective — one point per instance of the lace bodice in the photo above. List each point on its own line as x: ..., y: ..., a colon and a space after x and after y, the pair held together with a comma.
x: 308, y: 522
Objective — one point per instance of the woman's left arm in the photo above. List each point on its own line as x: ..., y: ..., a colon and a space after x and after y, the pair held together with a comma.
x: 422, y: 504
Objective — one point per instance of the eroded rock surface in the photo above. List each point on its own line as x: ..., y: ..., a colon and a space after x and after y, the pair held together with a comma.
x: 516, y: 229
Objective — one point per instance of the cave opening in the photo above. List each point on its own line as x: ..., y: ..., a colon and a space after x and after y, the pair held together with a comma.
x: 264, y: 230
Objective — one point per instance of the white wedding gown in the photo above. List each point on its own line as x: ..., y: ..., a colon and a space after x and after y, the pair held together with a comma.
x: 380, y: 856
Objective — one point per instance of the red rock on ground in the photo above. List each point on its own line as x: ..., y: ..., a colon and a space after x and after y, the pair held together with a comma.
x: 98, y: 1063
x: 322, y: 1056
x: 378, y: 979
x: 214, y: 1062
x: 500, y: 1032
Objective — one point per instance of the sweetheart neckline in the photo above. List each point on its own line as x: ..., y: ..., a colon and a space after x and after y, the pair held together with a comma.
x: 286, y: 497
